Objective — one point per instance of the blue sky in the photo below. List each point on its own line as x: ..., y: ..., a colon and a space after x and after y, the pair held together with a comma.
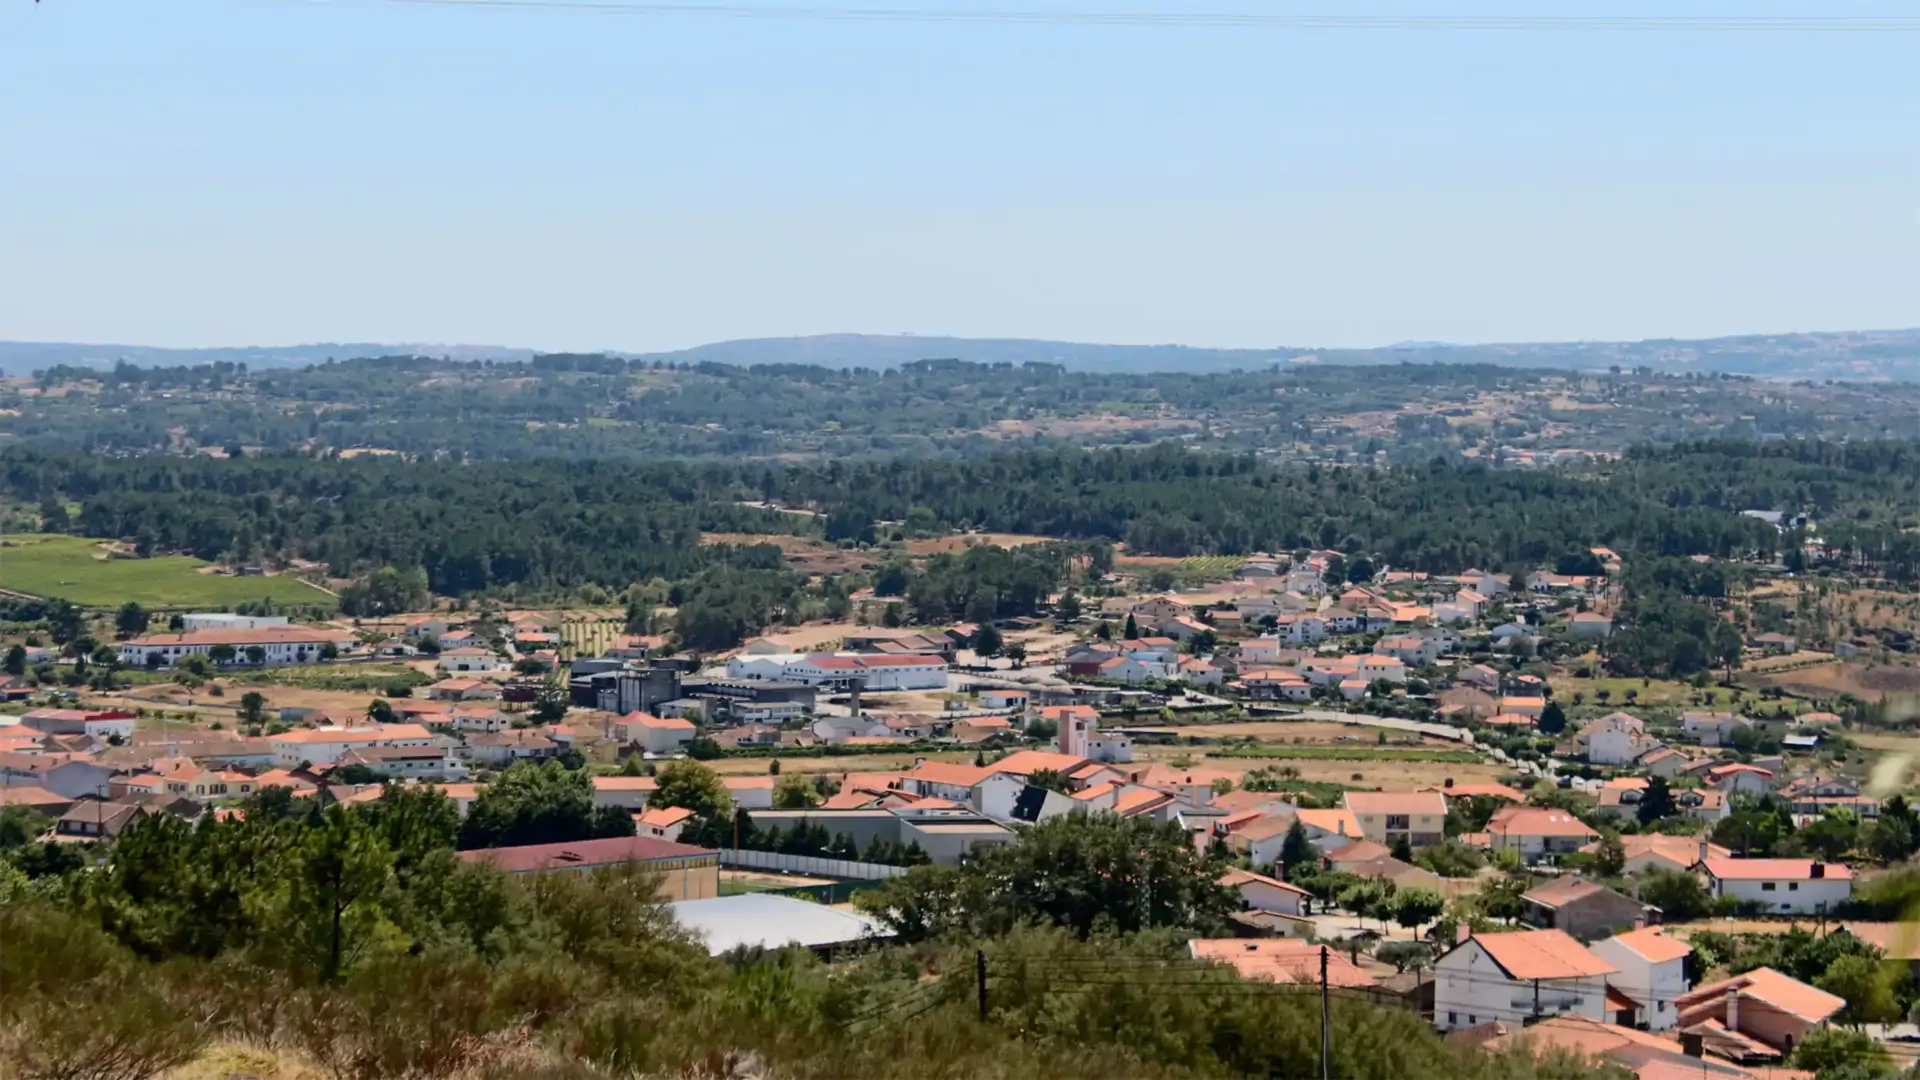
x: 221, y: 172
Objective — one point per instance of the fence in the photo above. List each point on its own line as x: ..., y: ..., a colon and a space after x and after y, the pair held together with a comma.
x: 810, y: 865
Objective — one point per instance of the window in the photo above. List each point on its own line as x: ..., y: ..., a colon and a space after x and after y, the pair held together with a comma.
x: 1398, y: 821
x: 1768, y: 886
x: 1793, y: 886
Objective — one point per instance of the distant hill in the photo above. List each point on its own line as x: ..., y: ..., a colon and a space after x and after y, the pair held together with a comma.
x: 1852, y: 355
x: 25, y: 357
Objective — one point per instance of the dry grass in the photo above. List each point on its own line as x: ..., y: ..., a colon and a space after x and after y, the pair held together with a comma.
x: 1866, y: 681
x: 1304, y: 732
x: 832, y: 766
x: 967, y: 540
x: 1391, y: 775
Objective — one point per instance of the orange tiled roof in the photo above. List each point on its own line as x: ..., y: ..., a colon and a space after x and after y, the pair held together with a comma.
x: 1281, y: 960
x: 1542, y: 954
x: 1415, y: 803
x: 1653, y: 943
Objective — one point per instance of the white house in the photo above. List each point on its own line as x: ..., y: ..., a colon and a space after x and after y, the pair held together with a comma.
x: 1510, y: 977
x: 1127, y: 669
x: 881, y: 671
x: 507, y: 747
x: 1616, y: 739
x: 1711, y: 728
x: 275, y: 645
x: 1001, y: 698
x: 1734, y: 778
x: 478, y: 721
x: 471, y: 658
x: 1784, y: 886
x: 324, y: 746
x: 1653, y: 972
x: 654, y: 734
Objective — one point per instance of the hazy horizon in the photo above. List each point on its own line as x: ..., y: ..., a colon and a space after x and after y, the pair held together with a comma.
x: 337, y: 171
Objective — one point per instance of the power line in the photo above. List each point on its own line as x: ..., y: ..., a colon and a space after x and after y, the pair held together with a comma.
x: 1220, y: 19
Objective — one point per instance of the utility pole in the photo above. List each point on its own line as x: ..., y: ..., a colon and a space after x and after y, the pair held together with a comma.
x: 1326, y: 1022
x: 1536, y: 1000
x: 980, y: 979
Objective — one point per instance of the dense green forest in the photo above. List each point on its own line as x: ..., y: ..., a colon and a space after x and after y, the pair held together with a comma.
x: 354, y: 939
x: 600, y: 406
x: 549, y: 526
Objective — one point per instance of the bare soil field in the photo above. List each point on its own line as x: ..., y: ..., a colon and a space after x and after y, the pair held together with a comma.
x: 833, y: 766
x: 962, y: 541
x: 1302, y: 732
x: 1871, y: 682
x: 1390, y: 775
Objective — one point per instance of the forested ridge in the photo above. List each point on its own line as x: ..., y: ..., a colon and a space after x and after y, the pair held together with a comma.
x: 556, y: 524
x: 588, y: 406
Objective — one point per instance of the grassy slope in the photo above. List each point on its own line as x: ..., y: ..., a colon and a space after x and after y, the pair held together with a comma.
x: 64, y: 566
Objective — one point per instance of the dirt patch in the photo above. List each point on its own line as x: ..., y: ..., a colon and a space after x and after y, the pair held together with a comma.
x: 834, y: 766
x: 1389, y: 775
x: 937, y: 545
x: 1303, y: 732
x: 1871, y: 682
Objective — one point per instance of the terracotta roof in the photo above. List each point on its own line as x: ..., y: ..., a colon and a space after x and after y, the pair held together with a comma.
x: 1538, y: 821
x: 259, y: 635
x: 1775, y: 869
x: 664, y: 723
x: 1266, y: 828
x: 1093, y: 792
x: 665, y: 817
x: 1237, y: 877
x: 1337, y: 822
x: 1684, y: 850
x: 1783, y: 992
x: 1542, y: 954
x: 1563, y: 890
x: 1281, y: 960
x: 580, y: 854
x: 30, y: 795
x: 1135, y: 801
x: 1028, y: 762
x: 1652, y: 943
x: 1415, y: 803
x: 942, y: 772
x: 1359, y: 851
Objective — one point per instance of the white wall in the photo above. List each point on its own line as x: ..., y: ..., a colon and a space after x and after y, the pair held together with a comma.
x: 1469, y: 988
x: 1654, y: 986
x: 1796, y: 897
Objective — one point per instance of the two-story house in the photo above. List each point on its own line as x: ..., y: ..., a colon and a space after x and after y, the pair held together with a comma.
x: 1511, y: 977
x: 1388, y: 817
x: 1652, y: 972
x: 1538, y: 833
x: 1784, y: 886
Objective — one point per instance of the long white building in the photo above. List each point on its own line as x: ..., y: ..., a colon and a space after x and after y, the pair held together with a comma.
x: 882, y: 671
x: 278, y: 645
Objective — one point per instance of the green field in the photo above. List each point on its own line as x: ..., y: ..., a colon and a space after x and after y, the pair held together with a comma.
x: 66, y: 567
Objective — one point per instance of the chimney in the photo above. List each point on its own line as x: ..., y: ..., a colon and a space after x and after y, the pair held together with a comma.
x: 1461, y: 933
x: 1447, y: 783
x: 1818, y: 871
x: 1690, y: 1043
x: 1733, y: 1010
x: 1703, y: 849
x: 1640, y: 923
